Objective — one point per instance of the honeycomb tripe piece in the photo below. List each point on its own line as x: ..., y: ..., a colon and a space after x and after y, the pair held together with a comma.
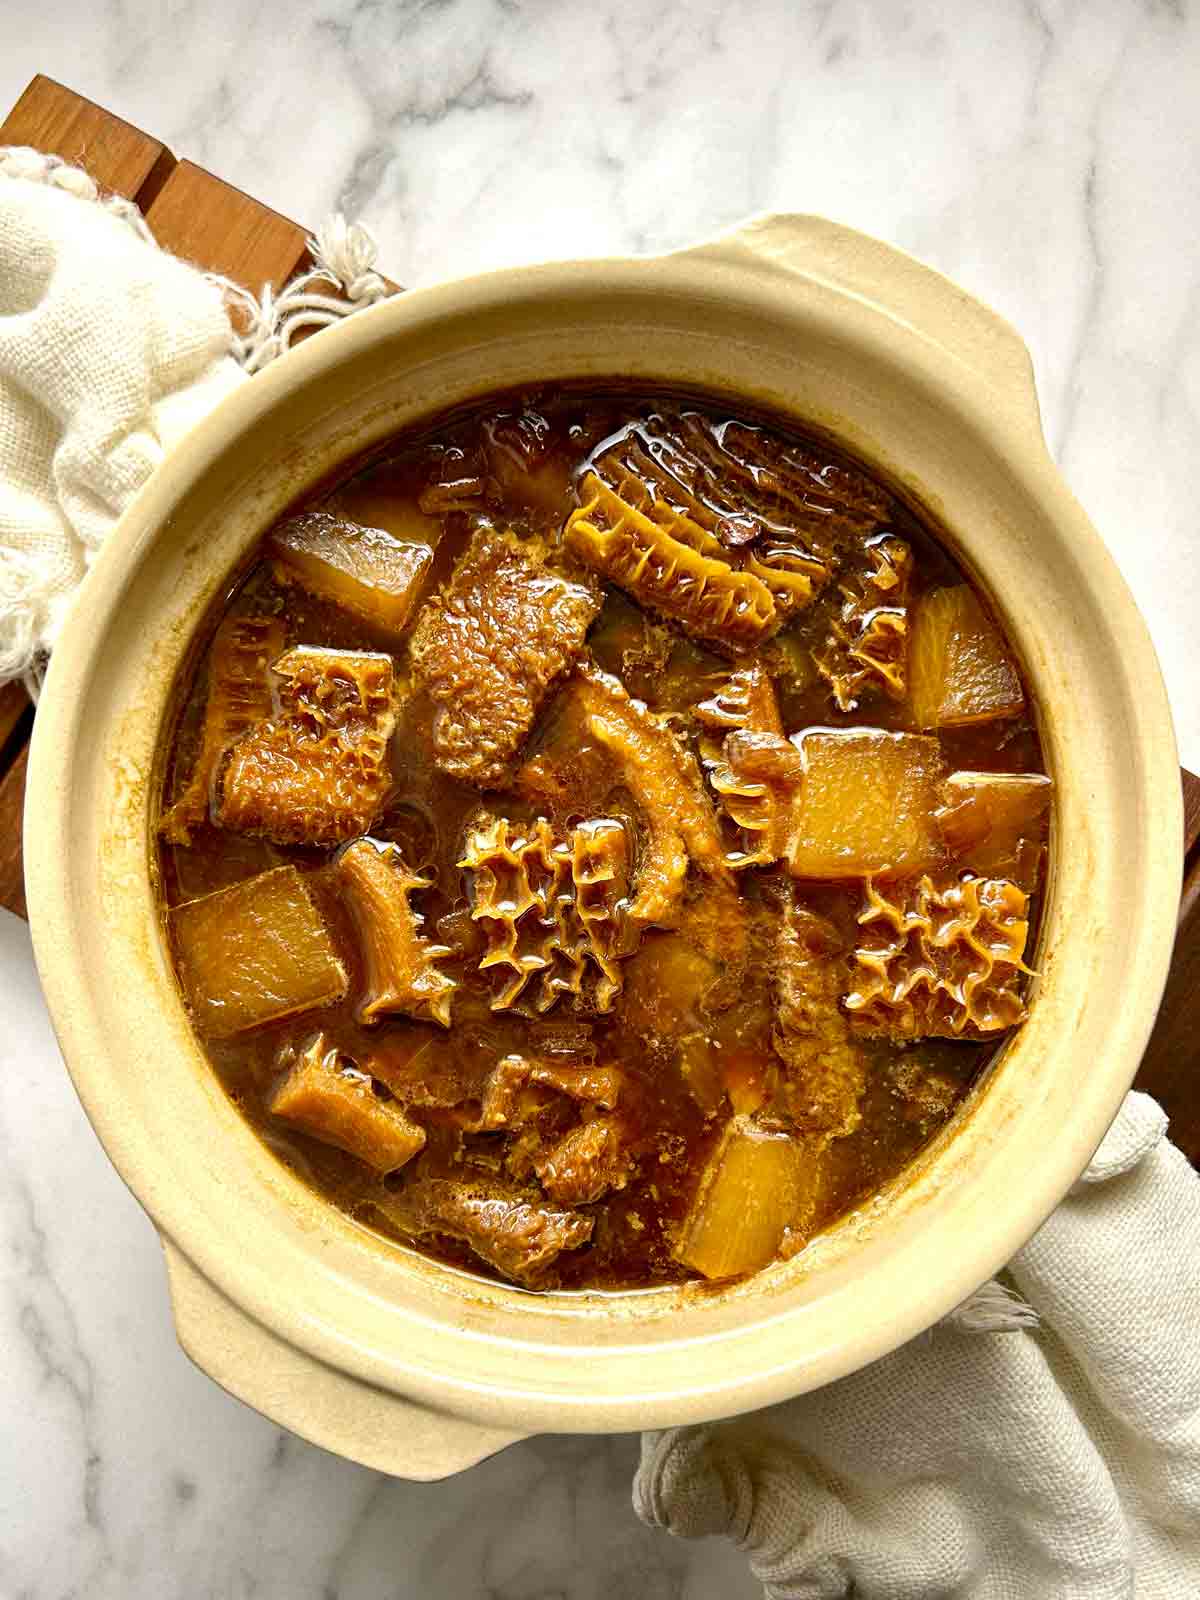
x: 400, y: 966
x: 554, y: 913
x: 255, y: 952
x: 505, y: 1097
x: 940, y: 959
x: 744, y: 699
x: 786, y: 502
x: 599, y: 906
x: 865, y: 804
x: 751, y: 767
x: 521, y: 1237
x: 588, y: 1162
x: 671, y: 565
x: 867, y: 645
x: 490, y: 645
x: 717, y: 525
x: 665, y: 782
x: 238, y: 696
x: 758, y: 779
x: 367, y: 571
x: 324, y: 1094
x: 525, y: 467
x: 960, y: 671
x: 988, y: 812
x: 824, y: 1071
x: 518, y: 879
x: 316, y: 772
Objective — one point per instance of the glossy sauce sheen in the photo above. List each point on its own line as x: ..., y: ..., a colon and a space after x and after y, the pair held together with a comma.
x: 912, y: 1088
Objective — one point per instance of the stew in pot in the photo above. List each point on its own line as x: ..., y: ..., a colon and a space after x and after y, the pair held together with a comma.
x: 601, y: 839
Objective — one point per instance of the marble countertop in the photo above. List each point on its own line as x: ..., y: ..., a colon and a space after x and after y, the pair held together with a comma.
x: 1046, y: 155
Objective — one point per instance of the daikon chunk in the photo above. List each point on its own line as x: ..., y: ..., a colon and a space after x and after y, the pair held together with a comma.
x: 959, y: 669
x: 866, y: 804
x: 757, y: 1185
x: 325, y: 1095
x: 254, y: 953
x: 365, y: 570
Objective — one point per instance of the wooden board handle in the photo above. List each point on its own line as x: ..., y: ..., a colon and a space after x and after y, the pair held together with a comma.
x: 193, y: 215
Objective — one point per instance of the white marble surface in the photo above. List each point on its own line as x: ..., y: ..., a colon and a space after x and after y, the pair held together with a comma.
x: 1045, y: 154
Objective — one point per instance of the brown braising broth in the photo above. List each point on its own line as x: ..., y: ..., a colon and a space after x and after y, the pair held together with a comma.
x: 721, y: 1092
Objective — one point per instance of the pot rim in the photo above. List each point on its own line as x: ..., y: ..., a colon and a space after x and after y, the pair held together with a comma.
x: 1007, y: 426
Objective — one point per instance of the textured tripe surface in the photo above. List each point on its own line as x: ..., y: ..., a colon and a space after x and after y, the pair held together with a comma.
x: 489, y: 647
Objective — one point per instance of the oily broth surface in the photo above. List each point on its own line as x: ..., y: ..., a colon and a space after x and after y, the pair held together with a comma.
x: 631, y: 1243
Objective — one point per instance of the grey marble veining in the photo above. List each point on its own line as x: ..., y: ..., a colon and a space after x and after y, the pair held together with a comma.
x: 1047, y: 155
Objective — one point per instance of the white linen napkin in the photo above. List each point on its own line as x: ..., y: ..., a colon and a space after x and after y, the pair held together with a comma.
x: 110, y: 351
x: 1052, y: 1462
x: 1059, y: 1461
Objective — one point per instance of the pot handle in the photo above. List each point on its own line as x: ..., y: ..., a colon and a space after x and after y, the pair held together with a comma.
x: 829, y: 255
x: 329, y: 1408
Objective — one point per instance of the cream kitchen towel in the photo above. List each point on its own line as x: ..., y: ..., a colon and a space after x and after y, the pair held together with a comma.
x: 110, y: 350
x: 1054, y: 1462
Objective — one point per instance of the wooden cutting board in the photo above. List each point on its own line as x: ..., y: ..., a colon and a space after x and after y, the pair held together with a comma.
x: 206, y: 221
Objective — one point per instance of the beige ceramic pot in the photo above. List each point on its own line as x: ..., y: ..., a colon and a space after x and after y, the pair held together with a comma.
x: 372, y: 1350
